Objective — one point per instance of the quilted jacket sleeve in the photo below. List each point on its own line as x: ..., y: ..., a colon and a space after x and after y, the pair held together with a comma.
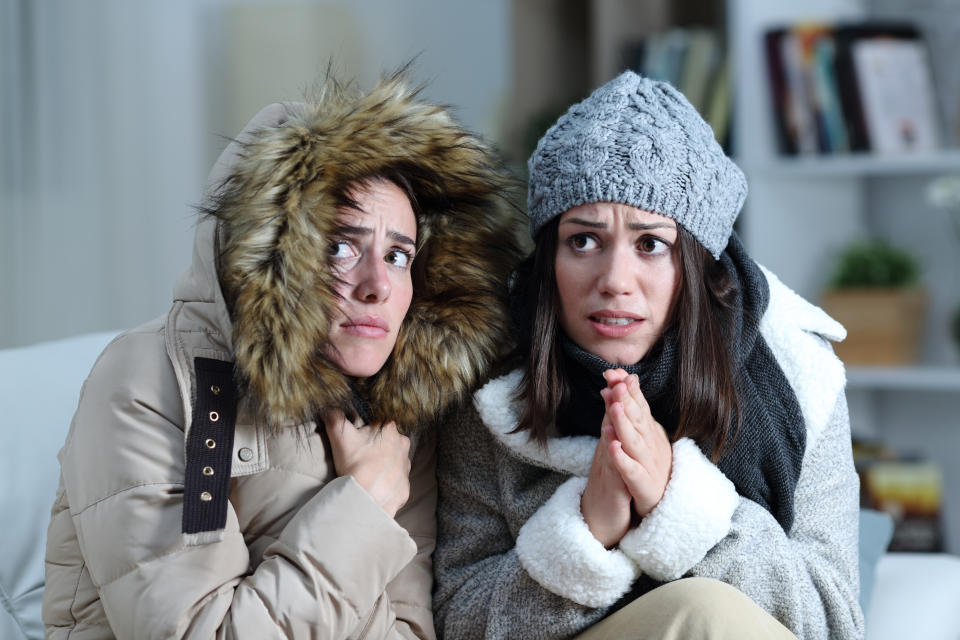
x: 339, y: 568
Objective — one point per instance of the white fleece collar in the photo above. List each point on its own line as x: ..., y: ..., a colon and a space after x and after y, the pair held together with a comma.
x: 794, y: 329
x: 500, y: 412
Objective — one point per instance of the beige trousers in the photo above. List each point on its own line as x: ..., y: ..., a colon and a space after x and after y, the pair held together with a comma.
x: 690, y: 609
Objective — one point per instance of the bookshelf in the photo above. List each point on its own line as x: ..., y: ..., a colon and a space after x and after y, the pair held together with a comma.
x: 860, y: 165
x: 913, y: 378
x: 802, y: 209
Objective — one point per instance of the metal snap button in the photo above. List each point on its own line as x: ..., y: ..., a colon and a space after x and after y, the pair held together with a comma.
x: 210, y: 443
x: 215, y: 389
x: 208, y: 471
x: 214, y: 416
x: 206, y: 496
x: 245, y: 454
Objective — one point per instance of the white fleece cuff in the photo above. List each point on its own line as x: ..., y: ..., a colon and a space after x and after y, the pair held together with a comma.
x: 556, y: 548
x: 693, y: 515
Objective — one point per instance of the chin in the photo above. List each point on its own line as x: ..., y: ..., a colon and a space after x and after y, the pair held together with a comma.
x: 362, y: 369
x: 360, y: 365
x: 618, y: 356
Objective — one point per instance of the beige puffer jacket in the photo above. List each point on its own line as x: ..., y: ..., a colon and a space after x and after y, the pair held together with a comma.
x: 171, y: 524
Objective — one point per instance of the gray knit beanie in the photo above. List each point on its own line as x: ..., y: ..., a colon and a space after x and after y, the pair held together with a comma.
x: 639, y: 142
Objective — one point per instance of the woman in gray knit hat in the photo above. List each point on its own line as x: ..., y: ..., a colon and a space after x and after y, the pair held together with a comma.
x: 669, y: 456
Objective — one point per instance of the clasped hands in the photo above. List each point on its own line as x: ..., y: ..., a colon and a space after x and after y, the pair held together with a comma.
x: 631, y: 464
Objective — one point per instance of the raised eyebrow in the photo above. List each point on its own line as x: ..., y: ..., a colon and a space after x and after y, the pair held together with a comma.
x: 396, y: 236
x: 586, y: 223
x: 353, y: 230
x: 633, y: 226
x: 639, y: 226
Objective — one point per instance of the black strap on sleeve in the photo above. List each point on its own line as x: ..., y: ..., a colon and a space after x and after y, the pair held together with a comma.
x: 210, y: 447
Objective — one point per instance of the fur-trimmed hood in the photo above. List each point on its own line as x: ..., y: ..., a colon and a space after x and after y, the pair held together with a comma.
x: 274, y: 196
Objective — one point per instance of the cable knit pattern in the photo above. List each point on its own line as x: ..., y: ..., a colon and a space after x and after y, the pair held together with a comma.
x: 638, y: 141
x: 556, y: 548
x: 693, y: 515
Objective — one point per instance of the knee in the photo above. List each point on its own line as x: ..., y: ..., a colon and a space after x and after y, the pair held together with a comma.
x: 704, y: 598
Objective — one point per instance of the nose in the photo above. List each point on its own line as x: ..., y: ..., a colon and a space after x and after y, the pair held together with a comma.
x: 373, y: 283
x: 618, y: 272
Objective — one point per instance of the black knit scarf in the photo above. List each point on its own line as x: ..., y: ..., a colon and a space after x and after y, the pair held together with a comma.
x: 764, y: 459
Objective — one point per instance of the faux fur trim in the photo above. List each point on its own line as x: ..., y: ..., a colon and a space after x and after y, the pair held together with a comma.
x: 796, y: 332
x: 499, y: 412
x: 556, y: 548
x: 278, y: 208
x: 694, y: 515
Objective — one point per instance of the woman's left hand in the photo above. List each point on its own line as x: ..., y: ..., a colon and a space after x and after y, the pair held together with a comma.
x: 644, y: 455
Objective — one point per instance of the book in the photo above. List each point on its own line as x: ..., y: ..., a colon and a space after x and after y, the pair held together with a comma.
x: 893, y: 78
x: 663, y: 55
x: 909, y: 488
x: 779, y: 91
x: 802, y: 117
x: 828, y: 97
x: 851, y: 87
x: 851, y: 66
x: 699, y: 67
x: 809, y: 38
x: 911, y: 491
x: 720, y: 104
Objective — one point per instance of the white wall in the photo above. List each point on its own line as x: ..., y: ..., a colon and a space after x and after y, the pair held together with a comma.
x: 114, y: 110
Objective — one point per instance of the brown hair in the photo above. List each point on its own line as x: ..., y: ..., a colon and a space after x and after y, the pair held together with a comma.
x: 703, y: 315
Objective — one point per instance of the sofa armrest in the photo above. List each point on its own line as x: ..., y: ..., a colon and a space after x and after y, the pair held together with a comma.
x: 39, y: 389
x: 915, y: 595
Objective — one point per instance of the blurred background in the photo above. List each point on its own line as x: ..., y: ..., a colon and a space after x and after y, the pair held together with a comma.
x: 843, y: 114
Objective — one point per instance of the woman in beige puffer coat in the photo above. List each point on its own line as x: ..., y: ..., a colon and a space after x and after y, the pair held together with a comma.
x: 258, y: 463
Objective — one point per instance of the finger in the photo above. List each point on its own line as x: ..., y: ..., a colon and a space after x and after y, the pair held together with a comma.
x: 613, y: 376
x: 334, y: 421
x: 629, y: 469
x: 608, y: 445
x: 626, y: 432
x: 634, y: 402
x: 636, y: 393
x: 638, y: 413
x: 606, y: 432
x: 332, y: 417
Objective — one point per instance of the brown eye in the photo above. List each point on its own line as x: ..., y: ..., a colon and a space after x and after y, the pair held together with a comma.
x: 582, y: 242
x: 398, y: 258
x: 652, y: 245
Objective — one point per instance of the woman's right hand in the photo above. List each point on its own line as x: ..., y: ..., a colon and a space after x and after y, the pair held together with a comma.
x: 642, y: 453
x: 605, y: 503
x: 377, y: 458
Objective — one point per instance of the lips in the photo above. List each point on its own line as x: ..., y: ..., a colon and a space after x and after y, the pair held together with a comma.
x: 366, y: 327
x: 615, y: 324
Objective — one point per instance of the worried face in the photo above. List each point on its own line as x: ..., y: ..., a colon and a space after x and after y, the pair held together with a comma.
x: 617, y: 271
x: 372, y: 257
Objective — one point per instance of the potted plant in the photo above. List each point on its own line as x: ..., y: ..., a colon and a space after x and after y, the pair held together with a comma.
x: 875, y: 293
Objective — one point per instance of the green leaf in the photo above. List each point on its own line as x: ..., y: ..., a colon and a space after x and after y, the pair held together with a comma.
x: 874, y: 263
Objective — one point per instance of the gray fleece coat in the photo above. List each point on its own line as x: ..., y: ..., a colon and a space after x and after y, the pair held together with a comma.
x: 515, y: 558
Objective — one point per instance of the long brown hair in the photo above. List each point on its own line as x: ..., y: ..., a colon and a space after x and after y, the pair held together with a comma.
x: 703, y: 315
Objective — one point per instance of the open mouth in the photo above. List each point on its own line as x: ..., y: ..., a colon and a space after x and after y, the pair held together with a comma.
x: 613, y: 322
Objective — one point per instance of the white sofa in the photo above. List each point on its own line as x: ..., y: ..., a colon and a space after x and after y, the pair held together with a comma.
x: 915, y: 596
